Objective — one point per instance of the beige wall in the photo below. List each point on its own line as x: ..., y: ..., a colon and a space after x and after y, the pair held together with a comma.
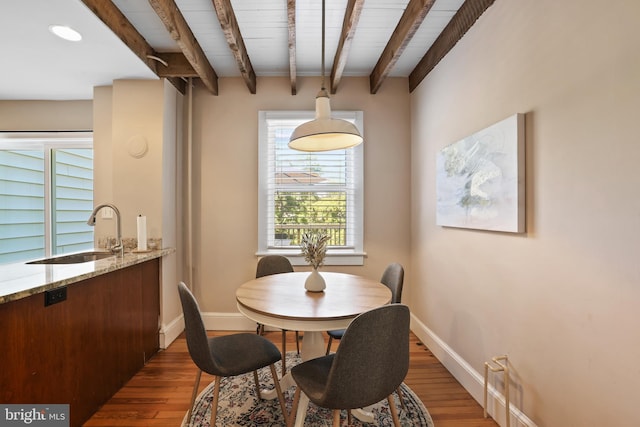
x: 103, y: 169
x: 138, y: 113
x: 45, y: 115
x: 129, y: 109
x: 225, y: 134
x: 562, y: 299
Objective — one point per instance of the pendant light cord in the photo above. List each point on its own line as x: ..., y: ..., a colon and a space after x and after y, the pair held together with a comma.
x: 323, y: 11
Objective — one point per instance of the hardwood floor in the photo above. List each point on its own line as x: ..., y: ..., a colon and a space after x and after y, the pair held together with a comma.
x: 160, y: 393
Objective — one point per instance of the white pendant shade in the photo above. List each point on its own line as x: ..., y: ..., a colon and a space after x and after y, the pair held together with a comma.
x: 324, y: 133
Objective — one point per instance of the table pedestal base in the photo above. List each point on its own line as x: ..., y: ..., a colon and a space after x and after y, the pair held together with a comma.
x: 313, y: 345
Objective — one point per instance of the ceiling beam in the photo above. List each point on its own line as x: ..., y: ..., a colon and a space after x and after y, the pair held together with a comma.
x: 175, y: 65
x: 113, y: 18
x: 349, y: 25
x: 409, y: 23
x: 177, y: 26
x: 464, y: 19
x: 231, y: 31
x: 291, y: 25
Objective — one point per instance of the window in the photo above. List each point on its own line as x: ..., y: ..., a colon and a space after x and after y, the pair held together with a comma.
x: 46, y: 194
x: 303, y: 192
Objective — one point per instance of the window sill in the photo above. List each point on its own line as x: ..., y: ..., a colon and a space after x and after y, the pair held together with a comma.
x: 334, y: 257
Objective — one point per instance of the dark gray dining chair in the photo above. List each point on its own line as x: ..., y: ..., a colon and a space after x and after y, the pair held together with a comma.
x: 276, y: 264
x: 369, y: 365
x: 392, y: 278
x: 225, y: 356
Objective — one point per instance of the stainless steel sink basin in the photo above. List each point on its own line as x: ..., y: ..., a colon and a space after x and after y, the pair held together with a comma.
x: 74, y: 258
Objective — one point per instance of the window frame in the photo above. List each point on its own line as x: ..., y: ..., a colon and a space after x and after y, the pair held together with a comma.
x: 335, y: 256
x: 46, y: 141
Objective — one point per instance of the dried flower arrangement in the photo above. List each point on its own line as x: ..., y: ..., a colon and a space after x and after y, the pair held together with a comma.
x: 314, y: 248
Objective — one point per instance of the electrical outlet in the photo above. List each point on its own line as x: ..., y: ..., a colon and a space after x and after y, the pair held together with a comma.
x: 107, y: 213
x: 54, y: 296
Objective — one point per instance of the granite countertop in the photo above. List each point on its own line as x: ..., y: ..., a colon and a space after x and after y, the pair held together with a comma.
x: 19, y: 280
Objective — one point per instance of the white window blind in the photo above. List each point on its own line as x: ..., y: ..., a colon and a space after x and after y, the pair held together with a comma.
x: 308, y: 192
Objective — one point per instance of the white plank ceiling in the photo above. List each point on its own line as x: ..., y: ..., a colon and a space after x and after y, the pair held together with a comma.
x: 39, y: 66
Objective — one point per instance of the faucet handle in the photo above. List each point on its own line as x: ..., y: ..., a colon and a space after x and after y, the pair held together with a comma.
x: 117, y: 247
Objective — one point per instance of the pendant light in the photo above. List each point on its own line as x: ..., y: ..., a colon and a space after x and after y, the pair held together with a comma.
x: 324, y: 133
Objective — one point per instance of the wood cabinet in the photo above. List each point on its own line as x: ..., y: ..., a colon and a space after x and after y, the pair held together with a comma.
x: 82, y: 350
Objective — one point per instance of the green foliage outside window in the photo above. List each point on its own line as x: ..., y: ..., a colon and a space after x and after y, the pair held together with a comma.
x: 297, y: 213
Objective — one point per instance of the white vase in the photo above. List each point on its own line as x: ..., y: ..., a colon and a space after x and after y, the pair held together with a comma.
x: 315, y: 282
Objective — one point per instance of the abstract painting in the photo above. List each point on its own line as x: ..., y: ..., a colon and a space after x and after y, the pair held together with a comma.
x: 480, y: 179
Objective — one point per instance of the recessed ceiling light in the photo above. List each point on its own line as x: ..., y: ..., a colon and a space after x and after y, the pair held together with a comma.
x: 65, y: 32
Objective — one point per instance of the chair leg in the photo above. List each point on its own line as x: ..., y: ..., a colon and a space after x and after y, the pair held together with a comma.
x: 276, y: 382
x: 284, y: 352
x: 193, y: 395
x: 298, y: 342
x: 394, y: 411
x: 329, y: 345
x: 336, y: 418
x: 214, y: 404
x: 294, y: 407
x: 255, y: 379
x: 399, y: 391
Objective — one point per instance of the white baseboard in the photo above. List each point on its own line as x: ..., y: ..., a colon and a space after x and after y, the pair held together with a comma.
x: 227, y: 322
x: 168, y: 333
x: 470, y: 379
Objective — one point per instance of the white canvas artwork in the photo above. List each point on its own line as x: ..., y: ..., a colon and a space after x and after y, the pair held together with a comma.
x: 480, y: 179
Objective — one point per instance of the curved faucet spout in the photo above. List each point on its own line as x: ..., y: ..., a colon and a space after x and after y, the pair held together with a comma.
x: 118, y: 247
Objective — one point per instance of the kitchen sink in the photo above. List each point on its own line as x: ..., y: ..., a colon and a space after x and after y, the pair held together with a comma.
x: 74, y: 258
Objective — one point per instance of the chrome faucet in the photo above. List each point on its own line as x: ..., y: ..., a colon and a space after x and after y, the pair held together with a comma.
x: 118, y: 247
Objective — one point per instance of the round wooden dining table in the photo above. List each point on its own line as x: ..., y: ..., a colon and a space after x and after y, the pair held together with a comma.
x: 281, y: 301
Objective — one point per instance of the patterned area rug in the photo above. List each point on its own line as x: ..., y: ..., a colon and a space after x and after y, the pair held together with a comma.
x: 239, y: 406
